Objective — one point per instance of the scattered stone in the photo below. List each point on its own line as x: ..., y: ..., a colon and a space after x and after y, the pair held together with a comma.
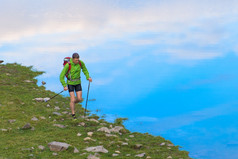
x: 55, y: 154
x: 92, y: 157
x: 4, y: 130
x: 140, y: 155
x: 48, y: 105
x: 41, y: 147
x: 88, y: 138
x: 90, y: 133
x: 124, y: 144
x: 79, y: 134
x: 131, y: 136
x: 28, y: 81
x: 11, y: 120
x: 27, y: 126
x: 81, y: 124
x: 34, y: 119
x: 162, y: 144
x: 42, y: 117
x: 59, y: 125
x: 169, y: 157
x: 31, y: 155
x: 126, y: 139
x: 94, y: 120
x: 117, y: 151
x: 65, y: 112
x: 114, y: 155
x: 76, y: 150
x: 58, y: 146
x: 110, y: 135
x: 57, y: 108
x: 42, y: 99
x: 97, y: 149
x: 116, y: 129
x: 137, y: 146
x: 57, y: 113
x: 26, y: 149
x: 170, y: 145
x: 169, y: 148
x: 33, y: 128
x: 103, y: 124
x: 128, y: 155
x: 148, y: 157
x: 104, y: 129
x: 8, y: 74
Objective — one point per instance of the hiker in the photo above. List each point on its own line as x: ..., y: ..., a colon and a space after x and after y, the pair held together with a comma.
x: 72, y: 70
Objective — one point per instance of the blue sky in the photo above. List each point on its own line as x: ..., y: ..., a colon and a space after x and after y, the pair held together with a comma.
x: 167, y: 65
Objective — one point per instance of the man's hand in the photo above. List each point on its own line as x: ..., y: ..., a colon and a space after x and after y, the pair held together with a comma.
x: 90, y: 79
x: 65, y: 88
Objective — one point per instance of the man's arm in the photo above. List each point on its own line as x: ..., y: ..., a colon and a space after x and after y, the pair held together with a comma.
x: 85, y: 71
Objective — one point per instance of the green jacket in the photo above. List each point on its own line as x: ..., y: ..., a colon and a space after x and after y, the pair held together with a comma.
x: 74, y: 73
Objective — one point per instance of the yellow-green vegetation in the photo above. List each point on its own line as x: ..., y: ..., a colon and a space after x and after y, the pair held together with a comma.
x: 18, y: 89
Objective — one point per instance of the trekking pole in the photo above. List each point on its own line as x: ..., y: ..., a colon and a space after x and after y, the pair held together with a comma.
x: 87, y: 100
x: 55, y: 95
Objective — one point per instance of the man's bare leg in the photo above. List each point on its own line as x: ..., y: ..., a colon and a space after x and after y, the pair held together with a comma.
x: 72, y: 102
x: 79, y: 97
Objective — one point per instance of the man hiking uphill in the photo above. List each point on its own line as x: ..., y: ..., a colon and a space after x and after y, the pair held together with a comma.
x: 72, y: 70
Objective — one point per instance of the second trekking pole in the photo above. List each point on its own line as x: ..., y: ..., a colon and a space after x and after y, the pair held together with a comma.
x: 87, y: 100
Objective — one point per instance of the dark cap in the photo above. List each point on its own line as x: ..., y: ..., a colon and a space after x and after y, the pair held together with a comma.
x: 75, y: 55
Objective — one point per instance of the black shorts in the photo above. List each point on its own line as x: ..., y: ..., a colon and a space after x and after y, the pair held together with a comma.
x: 75, y: 88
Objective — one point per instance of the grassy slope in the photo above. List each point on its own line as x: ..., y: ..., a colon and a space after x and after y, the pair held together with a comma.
x: 16, y: 103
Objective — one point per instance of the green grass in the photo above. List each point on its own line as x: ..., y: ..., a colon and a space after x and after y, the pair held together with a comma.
x: 16, y: 102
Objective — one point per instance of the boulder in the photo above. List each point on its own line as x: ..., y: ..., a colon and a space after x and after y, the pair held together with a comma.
x: 97, y: 149
x: 92, y: 157
x: 34, y: 119
x: 58, y: 146
x: 76, y: 150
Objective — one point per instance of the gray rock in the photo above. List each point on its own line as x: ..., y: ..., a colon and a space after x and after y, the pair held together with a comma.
x: 28, y: 81
x: 54, y: 154
x: 110, y: 135
x: 169, y: 157
x: 124, y: 144
x: 79, y: 134
x: 42, y: 117
x: 162, y: 144
x: 65, y: 112
x: 114, y: 155
x: 90, y: 133
x: 93, y: 157
x: 131, y: 136
x: 27, y: 126
x: 57, y: 108
x: 140, y: 155
x: 59, y: 125
x: 93, y: 120
x: 58, y: 146
x: 4, y: 130
x: 41, y: 147
x: 138, y: 146
x: 104, y: 129
x: 170, y: 145
x: 97, y: 149
x: 81, y: 124
x: 34, y: 119
x: 57, y: 113
x: 116, y: 129
x: 11, y: 120
x: 76, y: 150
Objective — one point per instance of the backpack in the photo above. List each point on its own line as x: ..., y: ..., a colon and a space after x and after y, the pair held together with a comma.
x: 67, y: 60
